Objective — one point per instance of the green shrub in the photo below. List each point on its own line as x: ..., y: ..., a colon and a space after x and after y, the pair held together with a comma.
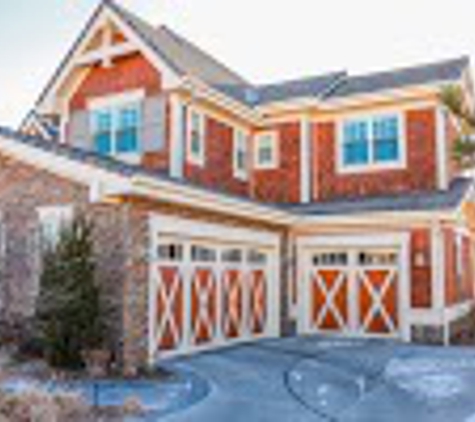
x: 68, y: 309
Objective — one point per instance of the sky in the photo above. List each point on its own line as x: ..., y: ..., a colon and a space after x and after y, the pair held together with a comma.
x: 263, y: 40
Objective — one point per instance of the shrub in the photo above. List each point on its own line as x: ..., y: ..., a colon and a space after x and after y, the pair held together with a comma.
x: 68, y: 309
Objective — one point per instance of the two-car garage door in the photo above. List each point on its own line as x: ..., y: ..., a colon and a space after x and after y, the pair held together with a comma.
x: 352, y: 286
x: 211, y: 286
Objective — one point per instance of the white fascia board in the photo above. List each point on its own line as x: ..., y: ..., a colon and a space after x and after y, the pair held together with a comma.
x: 199, y: 89
x: 81, y: 173
x: 380, y: 219
x: 196, y: 198
x: 402, y: 93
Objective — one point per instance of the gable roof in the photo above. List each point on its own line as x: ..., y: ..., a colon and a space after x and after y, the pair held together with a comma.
x: 180, y: 54
x: 185, y: 58
x: 419, y: 201
x: 442, y: 71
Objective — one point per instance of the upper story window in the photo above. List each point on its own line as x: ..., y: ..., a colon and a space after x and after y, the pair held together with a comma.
x: 266, y: 154
x: 375, y: 142
x: 196, y: 137
x: 240, y: 154
x: 116, y: 124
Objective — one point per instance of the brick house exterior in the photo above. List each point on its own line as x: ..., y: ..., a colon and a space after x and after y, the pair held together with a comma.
x: 226, y: 211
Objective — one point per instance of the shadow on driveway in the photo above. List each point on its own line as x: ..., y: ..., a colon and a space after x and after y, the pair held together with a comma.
x: 335, y: 380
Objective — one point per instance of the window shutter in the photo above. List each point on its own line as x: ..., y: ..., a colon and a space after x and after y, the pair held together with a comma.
x: 153, y: 124
x: 80, y: 135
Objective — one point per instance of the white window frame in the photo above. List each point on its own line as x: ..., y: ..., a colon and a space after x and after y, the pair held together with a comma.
x: 274, y: 161
x: 113, y: 104
x: 196, y: 158
x: 240, y: 141
x: 369, y: 118
x: 60, y: 215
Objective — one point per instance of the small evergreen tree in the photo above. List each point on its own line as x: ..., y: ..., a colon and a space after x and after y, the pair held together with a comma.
x: 68, y: 309
x: 452, y: 97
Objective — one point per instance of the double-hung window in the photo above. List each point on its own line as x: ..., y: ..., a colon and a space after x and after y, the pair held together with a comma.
x: 53, y: 221
x: 266, y: 155
x: 371, y: 142
x: 196, y: 137
x: 240, y: 154
x: 116, y: 127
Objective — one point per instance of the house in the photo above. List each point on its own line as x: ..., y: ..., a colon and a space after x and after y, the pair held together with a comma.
x: 227, y: 211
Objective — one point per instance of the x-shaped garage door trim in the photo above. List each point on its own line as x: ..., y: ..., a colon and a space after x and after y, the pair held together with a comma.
x: 168, y: 317
x: 377, y: 298
x: 233, y: 292
x: 203, y: 317
x: 330, y: 296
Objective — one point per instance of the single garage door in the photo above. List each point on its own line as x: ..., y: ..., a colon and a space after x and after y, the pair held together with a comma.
x: 352, y: 289
x: 211, y: 286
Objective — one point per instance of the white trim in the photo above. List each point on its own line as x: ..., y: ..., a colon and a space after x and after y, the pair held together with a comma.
x: 186, y: 232
x: 372, y: 166
x: 270, y: 136
x: 116, y: 100
x: 177, y: 137
x: 196, y: 158
x: 177, y: 226
x: 441, y: 149
x: 397, y: 240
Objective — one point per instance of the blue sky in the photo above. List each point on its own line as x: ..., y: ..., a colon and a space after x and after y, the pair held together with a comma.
x: 264, y: 40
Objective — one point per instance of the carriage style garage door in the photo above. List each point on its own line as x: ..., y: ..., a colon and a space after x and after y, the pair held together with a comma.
x: 353, y: 286
x: 210, y: 286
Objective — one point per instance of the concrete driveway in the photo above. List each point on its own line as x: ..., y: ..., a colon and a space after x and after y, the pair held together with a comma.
x: 338, y: 380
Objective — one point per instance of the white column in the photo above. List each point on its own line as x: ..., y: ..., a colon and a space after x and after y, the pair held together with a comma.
x: 177, y: 134
x: 441, y: 149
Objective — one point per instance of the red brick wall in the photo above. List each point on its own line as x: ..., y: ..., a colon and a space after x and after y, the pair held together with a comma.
x: 283, y: 183
x: 420, y: 173
x: 217, y: 171
x: 421, y: 270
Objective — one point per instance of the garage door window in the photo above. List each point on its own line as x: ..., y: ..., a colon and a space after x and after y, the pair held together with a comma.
x: 202, y: 254
x: 377, y: 258
x: 232, y: 256
x: 170, y: 252
x: 257, y: 257
x: 330, y: 258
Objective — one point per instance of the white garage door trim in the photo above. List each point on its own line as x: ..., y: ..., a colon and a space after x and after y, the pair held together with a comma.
x: 398, y: 240
x: 166, y: 229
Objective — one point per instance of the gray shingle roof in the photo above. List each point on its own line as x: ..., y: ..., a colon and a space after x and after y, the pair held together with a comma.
x: 422, y: 201
x: 309, y: 87
x: 186, y: 58
x: 180, y: 54
x: 442, y: 71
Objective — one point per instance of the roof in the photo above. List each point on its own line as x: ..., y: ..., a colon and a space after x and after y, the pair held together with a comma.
x: 423, y: 201
x: 420, y: 201
x: 308, y: 87
x: 180, y: 54
x: 185, y: 58
x: 442, y: 71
